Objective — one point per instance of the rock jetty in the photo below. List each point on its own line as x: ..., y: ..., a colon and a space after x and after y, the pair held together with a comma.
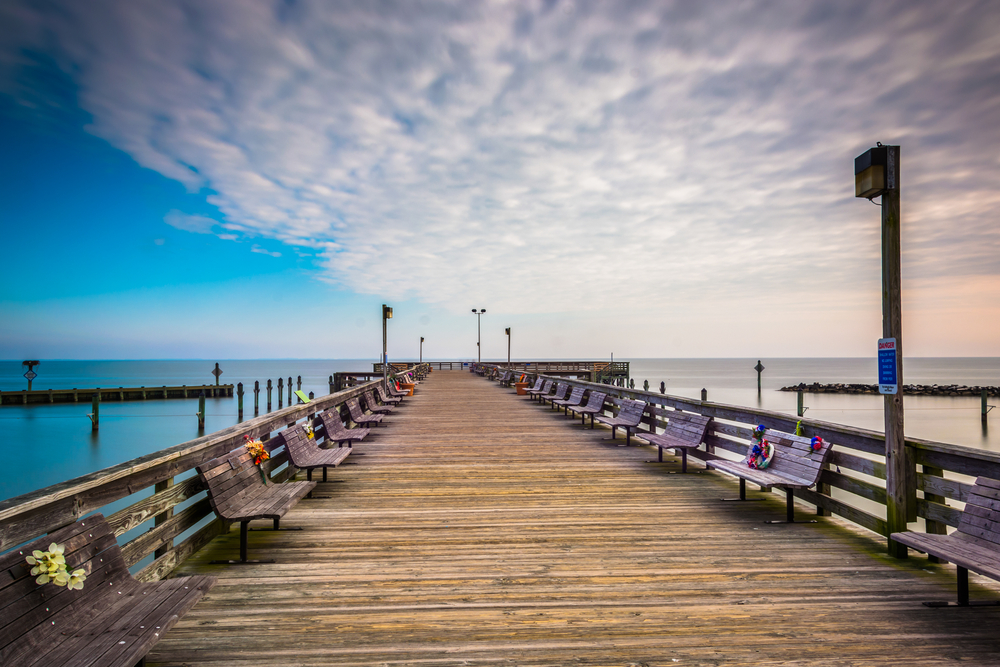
x: 908, y: 389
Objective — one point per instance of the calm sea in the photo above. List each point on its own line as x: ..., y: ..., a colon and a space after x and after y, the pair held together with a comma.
x: 53, y: 443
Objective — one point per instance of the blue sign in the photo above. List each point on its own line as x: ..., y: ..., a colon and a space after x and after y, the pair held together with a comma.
x: 888, y: 370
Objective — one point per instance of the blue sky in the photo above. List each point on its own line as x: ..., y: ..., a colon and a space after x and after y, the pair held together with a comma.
x: 253, y: 179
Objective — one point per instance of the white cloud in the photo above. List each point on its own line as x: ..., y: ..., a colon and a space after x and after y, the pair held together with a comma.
x: 264, y: 251
x: 562, y: 157
x: 190, y: 223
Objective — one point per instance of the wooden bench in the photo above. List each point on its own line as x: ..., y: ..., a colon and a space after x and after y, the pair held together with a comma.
x: 237, y: 493
x: 975, y: 545
x: 628, y: 418
x: 358, y: 415
x: 373, y: 405
x: 114, y: 620
x: 594, y: 406
x: 337, y: 432
x: 386, y: 397
x: 684, y: 430
x: 575, y: 398
x: 558, y: 395
x: 305, y: 453
x: 795, y: 466
x: 537, y: 387
x: 546, y: 388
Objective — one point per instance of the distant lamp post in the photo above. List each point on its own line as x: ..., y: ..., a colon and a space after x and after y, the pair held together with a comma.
x: 507, y: 330
x: 386, y: 315
x: 479, y: 340
x: 421, y: 349
x: 876, y: 172
x: 30, y: 375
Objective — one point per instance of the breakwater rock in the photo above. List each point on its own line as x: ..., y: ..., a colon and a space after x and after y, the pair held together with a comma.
x: 908, y: 389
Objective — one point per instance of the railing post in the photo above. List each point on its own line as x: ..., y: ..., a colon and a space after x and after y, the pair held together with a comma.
x: 163, y: 516
x: 934, y: 527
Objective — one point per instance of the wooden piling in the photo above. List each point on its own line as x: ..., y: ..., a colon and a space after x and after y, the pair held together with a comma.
x: 201, y: 411
x: 704, y: 394
x: 95, y: 414
x: 269, y: 394
x: 256, y: 397
x: 798, y: 403
x: 239, y: 401
x: 281, y: 392
x: 289, y: 390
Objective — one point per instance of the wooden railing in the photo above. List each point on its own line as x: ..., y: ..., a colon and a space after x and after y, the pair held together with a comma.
x: 856, y: 467
x: 160, y: 483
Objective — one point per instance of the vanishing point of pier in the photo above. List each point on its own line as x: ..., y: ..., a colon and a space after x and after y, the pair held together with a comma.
x: 479, y: 528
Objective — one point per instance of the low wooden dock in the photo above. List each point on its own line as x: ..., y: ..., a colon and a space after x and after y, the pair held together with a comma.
x: 113, y: 394
x: 479, y: 528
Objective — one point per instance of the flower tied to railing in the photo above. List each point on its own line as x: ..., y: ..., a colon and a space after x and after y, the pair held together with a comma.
x: 257, y: 452
x: 307, y: 427
x: 50, y: 566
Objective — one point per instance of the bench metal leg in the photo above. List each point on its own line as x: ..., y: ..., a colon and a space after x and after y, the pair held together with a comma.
x: 790, y: 510
x: 963, y: 594
x: 244, y: 527
x: 743, y: 494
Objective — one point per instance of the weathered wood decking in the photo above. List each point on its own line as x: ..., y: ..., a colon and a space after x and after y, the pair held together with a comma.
x: 481, y: 528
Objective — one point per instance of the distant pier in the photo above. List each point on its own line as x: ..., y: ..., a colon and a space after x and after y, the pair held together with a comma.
x: 909, y: 389
x: 119, y: 394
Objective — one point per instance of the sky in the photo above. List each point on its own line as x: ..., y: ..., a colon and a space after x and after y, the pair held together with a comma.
x: 253, y: 179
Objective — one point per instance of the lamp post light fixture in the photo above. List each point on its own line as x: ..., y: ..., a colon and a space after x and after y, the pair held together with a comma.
x: 386, y: 315
x: 479, y: 341
x: 507, y: 330
x: 421, y: 349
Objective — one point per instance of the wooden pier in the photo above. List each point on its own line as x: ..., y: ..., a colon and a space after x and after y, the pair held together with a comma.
x: 478, y: 528
x: 113, y: 394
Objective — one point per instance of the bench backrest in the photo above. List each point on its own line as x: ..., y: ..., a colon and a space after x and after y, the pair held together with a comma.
x: 981, y: 518
x: 27, y: 608
x: 370, y: 400
x: 355, y: 408
x: 576, y: 396
x: 687, y: 426
x: 538, y: 384
x: 229, y: 477
x: 561, y: 390
x: 794, y: 456
x: 596, y: 400
x: 547, y: 386
x: 297, y: 443
x: 631, y: 411
x: 332, y: 424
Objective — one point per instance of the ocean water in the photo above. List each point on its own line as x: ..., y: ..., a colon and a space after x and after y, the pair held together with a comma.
x: 53, y: 443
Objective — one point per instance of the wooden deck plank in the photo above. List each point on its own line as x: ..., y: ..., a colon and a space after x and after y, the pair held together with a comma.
x: 480, y: 528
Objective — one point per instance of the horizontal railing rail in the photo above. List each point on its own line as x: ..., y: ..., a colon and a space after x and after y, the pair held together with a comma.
x: 153, y: 478
x: 937, y: 472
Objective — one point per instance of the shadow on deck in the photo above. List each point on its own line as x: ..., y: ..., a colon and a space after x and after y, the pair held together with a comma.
x: 479, y: 528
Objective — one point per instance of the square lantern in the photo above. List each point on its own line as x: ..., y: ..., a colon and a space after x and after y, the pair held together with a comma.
x: 869, y: 173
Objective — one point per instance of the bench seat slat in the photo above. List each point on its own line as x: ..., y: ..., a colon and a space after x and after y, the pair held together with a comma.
x: 971, y: 556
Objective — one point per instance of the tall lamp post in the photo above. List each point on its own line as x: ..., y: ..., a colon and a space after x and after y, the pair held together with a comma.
x: 479, y: 340
x: 876, y: 172
x: 386, y: 315
x: 507, y: 330
x: 421, y: 349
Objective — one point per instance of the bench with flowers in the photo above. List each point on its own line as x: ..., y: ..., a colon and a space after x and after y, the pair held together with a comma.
x: 68, y: 599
